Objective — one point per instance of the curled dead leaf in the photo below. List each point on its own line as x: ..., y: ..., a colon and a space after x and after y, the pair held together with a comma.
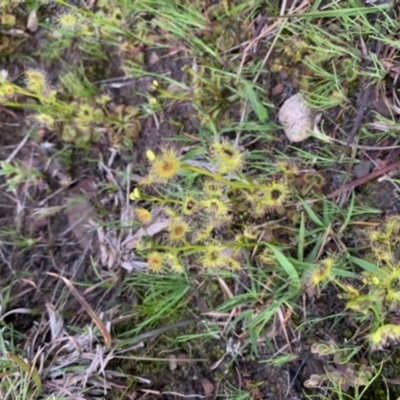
x: 314, y: 381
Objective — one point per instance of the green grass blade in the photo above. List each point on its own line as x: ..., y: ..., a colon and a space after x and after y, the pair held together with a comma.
x: 256, y: 104
x: 312, y: 256
x: 287, y: 266
x: 302, y: 231
x: 343, y: 12
x: 312, y: 214
x: 350, y: 212
x: 367, y: 266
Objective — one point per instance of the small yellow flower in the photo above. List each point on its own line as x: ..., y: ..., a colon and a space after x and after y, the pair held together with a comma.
x: 232, y: 264
x: 315, y: 180
x: 87, y: 30
x: 213, y: 258
x: 117, y: 16
x: 135, y: 195
x: 143, y: 215
x: 250, y: 232
x: 227, y: 157
x: 259, y: 209
x: 146, y: 180
x: 155, y: 262
x: 45, y: 120
x: 67, y: 20
x: 361, y: 304
x: 375, y: 281
x: 166, y: 166
x: 322, y: 271
x: 170, y: 212
x: 8, y: 20
x: 393, y: 222
x: 204, y: 234
x: 36, y: 81
x: 69, y: 133
x: 7, y: 90
x: 393, y: 299
x: 383, y: 254
x: 178, y: 229
x: 375, y: 236
x: 276, y: 195
x: 190, y: 205
x: 87, y: 115
x: 174, y: 263
x: 150, y: 155
x: 288, y: 168
x: 268, y: 257
x: 143, y: 244
x: 384, y: 335
x: 213, y: 188
x: 103, y: 99
x: 216, y: 207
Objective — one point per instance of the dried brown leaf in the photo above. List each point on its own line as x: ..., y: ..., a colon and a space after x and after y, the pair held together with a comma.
x: 99, y: 323
x: 208, y: 387
x: 56, y: 322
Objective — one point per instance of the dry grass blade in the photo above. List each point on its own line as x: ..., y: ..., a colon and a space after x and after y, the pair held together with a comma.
x: 31, y: 370
x: 106, y: 334
x: 20, y: 145
x: 360, y: 181
x: 56, y: 322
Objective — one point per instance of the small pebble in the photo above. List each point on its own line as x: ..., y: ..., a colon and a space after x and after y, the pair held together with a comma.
x: 296, y: 118
x: 362, y: 169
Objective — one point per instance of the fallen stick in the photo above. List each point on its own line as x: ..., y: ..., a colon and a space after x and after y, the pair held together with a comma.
x: 360, y: 181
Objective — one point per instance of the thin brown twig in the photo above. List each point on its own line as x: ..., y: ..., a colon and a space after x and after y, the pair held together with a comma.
x: 360, y: 115
x: 360, y: 181
x: 353, y: 184
x: 364, y: 101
